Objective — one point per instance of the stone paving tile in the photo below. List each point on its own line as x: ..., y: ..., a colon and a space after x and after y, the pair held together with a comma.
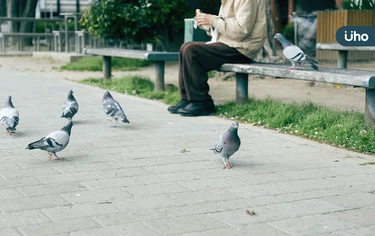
x: 136, y: 229
x: 258, y: 230
x: 20, y: 218
x: 18, y: 182
x: 10, y: 232
x: 54, y: 228
x: 155, y: 189
x: 11, y: 174
x: 194, y: 209
x: 97, y: 196
x: 110, y: 183
x: 82, y: 168
x: 130, y: 217
x: 123, y: 172
x: 164, y: 178
x: 62, y: 178
x: 210, y: 183
x: 311, y: 225
x: 211, y: 195
x: 37, y: 202
x: 79, y: 211
x: 251, y: 202
x: 50, y: 189
x: 305, y: 207
x: 359, y: 217
x: 314, y: 194
x: 10, y: 193
x: 148, y: 202
x: 184, y: 224
x: 238, y: 218
x: 365, y: 231
x: 357, y: 200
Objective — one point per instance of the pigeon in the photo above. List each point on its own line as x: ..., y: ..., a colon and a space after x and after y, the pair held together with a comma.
x: 9, y: 116
x: 54, y: 142
x: 70, y: 107
x: 295, y: 54
x: 113, y: 109
x: 228, y: 144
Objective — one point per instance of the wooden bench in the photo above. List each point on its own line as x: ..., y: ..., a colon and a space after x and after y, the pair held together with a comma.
x: 158, y: 57
x: 342, y: 50
x: 36, y: 36
x: 357, y: 78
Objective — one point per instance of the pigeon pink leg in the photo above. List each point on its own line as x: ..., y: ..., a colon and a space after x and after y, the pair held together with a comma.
x: 57, y: 158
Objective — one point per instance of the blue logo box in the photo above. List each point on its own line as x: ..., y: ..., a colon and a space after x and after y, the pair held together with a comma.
x: 356, y: 36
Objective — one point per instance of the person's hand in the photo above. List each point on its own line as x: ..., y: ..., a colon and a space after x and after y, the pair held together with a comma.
x: 203, y: 19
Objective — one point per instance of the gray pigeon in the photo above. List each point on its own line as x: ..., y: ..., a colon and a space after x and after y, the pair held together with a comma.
x: 70, y: 107
x: 54, y: 142
x: 9, y: 116
x: 228, y: 144
x: 295, y: 54
x: 113, y: 109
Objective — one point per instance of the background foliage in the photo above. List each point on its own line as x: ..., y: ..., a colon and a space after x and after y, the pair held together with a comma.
x: 359, y: 4
x: 143, y: 20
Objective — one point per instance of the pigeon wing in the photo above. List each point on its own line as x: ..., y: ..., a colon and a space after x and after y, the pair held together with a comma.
x: 9, y: 118
x: 294, y: 53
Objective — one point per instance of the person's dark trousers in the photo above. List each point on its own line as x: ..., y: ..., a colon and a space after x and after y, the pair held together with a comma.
x: 196, y: 60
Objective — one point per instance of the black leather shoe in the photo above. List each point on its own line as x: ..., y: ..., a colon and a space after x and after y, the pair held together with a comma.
x: 181, y: 104
x: 205, y: 108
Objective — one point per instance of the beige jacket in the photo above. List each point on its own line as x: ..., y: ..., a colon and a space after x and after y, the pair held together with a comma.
x: 242, y: 24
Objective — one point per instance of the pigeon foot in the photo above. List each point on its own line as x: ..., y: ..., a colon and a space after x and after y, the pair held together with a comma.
x: 57, y: 158
x: 227, y: 165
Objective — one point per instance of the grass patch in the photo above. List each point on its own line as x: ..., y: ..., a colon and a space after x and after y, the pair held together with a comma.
x: 96, y: 64
x: 342, y: 129
x: 138, y: 86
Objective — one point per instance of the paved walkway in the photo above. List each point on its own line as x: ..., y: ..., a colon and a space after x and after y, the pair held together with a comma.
x: 157, y: 176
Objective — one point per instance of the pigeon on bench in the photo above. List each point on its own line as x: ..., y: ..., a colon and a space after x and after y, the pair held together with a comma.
x: 54, y: 142
x: 9, y: 116
x: 70, y: 107
x: 113, y: 109
x: 295, y: 54
x: 228, y: 144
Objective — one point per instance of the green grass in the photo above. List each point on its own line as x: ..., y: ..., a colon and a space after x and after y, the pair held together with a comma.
x: 342, y: 129
x: 139, y: 86
x: 96, y: 64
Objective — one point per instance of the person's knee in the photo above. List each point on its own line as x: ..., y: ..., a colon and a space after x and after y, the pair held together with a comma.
x: 183, y: 46
x: 190, y: 49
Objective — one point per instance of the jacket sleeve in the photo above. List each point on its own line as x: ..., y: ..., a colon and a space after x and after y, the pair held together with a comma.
x: 239, y: 26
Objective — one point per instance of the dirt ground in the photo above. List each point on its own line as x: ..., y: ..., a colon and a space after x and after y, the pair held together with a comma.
x: 343, y: 98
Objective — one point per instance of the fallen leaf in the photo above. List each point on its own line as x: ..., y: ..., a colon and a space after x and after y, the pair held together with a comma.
x: 184, y: 150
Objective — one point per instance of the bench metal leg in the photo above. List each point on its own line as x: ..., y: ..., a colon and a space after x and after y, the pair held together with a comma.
x: 343, y: 59
x: 159, y: 70
x: 370, y: 108
x: 107, y: 67
x: 242, y: 88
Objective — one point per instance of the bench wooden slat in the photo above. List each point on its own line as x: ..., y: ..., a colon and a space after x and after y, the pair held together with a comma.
x: 136, y: 54
x: 360, y: 78
x: 338, y: 47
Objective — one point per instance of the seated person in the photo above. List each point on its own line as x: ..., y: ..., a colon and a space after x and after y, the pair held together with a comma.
x: 241, y: 29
